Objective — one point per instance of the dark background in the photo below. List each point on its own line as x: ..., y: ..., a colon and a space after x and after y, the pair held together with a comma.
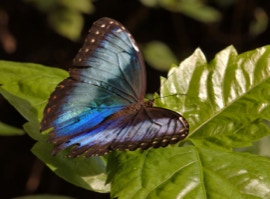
x: 37, y: 42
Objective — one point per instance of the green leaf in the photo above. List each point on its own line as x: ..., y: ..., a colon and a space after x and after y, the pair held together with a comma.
x: 159, y: 55
x: 260, y: 24
x: 65, y: 16
x: 66, y: 22
x: 241, y: 175
x: 6, y: 129
x: 199, y: 12
x: 88, y: 173
x: 264, y: 146
x: 27, y: 87
x: 188, y: 172
x: 140, y: 174
x: 25, y: 109
x: 84, y: 6
x: 225, y: 101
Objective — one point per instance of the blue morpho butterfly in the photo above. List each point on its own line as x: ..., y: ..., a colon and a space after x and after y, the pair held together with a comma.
x: 100, y: 107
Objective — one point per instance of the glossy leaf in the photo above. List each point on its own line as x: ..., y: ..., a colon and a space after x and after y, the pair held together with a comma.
x: 226, y: 103
x: 189, y: 172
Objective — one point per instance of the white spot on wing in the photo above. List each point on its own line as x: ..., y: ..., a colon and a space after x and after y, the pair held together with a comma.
x: 119, y: 30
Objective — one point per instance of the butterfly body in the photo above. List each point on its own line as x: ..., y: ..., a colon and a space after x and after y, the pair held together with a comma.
x: 101, y: 107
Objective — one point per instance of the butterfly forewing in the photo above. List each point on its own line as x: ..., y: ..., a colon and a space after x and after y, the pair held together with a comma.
x: 111, y: 57
x: 100, y: 107
x: 107, y: 75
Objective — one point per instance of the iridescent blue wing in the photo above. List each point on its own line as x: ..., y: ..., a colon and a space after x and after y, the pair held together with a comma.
x: 108, y: 75
x: 129, y: 130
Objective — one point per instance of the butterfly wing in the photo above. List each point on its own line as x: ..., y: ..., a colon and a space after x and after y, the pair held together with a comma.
x: 148, y: 127
x: 100, y: 107
x: 108, y: 75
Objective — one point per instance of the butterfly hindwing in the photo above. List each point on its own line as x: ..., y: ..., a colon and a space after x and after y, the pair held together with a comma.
x: 145, y: 128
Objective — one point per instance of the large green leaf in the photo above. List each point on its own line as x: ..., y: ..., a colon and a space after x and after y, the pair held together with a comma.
x: 226, y: 103
x: 189, y: 172
x: 88, y: 173
x: 31, y: 84
x: 27, y: 87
